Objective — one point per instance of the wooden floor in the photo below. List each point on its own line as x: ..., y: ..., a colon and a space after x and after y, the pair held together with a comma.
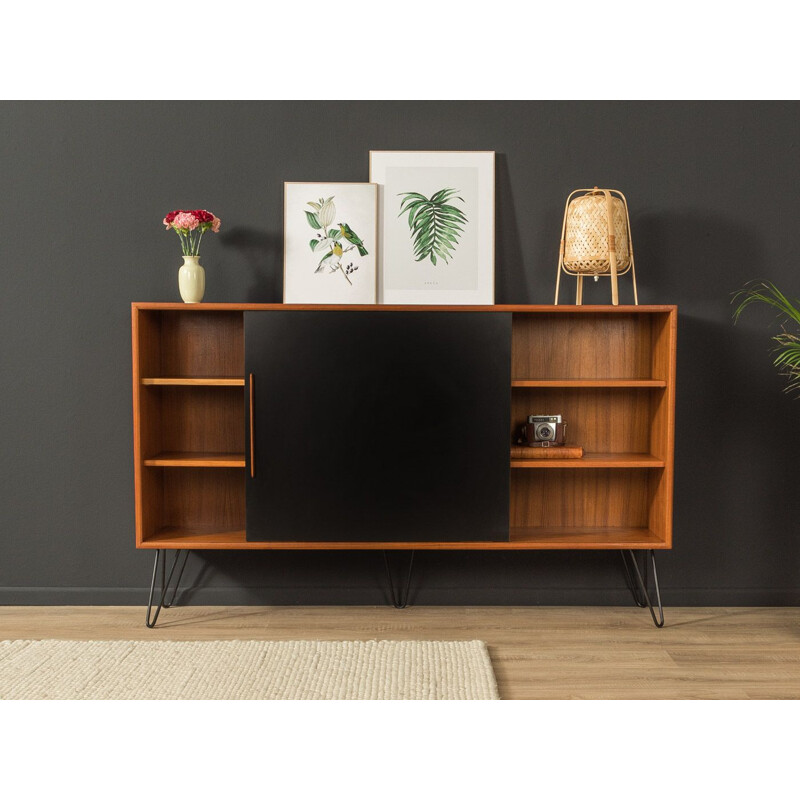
x: 537, y: 653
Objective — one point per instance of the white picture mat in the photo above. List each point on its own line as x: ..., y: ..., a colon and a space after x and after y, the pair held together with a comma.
x: 468, y: 278
x: 357, y: 205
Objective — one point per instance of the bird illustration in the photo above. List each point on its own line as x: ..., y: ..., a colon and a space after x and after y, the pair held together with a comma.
x: 332, y: 258
x: 353, y: 238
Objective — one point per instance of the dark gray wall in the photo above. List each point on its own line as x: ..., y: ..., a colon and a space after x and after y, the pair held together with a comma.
x: 714, y: 202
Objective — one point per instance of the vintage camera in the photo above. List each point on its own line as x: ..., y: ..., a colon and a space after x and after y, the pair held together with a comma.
x: 543, y: 430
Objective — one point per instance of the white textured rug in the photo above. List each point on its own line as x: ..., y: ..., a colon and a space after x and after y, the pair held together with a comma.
x: 140, y: 670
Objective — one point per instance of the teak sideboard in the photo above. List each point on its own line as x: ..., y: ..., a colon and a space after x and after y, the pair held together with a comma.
x: 608, y: 370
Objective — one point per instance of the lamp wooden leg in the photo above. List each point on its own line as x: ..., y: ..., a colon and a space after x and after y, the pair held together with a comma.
x: 614, y: 284
x: 558, y: 283
x: 579, y: 292
x: 612, y: 248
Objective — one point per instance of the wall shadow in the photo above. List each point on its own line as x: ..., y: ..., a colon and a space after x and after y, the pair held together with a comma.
x: 310, y: 577
x: 736, y: 436
x: 511, y: 284
x: 262, y: 253
x: 189, y: 588
x: 736, y: 432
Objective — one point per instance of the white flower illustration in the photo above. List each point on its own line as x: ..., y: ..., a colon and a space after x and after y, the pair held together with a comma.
x: 326, y: 213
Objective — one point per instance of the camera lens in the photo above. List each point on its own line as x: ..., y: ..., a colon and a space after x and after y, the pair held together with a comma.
x: 545, y: 432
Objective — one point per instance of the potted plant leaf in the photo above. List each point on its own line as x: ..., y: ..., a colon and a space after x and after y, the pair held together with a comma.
x: 787, y: 342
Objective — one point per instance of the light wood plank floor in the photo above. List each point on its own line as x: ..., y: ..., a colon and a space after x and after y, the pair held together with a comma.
x: 538, y: 653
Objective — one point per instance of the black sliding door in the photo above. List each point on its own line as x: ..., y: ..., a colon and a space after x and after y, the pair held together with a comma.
x: 378, y: 425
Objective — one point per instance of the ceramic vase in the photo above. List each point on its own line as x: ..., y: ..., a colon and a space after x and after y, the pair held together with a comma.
x: 192, y: 280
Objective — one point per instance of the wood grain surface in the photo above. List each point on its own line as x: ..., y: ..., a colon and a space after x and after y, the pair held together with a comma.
x: 537, y: 653
x: 534, y: 453
x: 225, y: 535
x: 192, y: 381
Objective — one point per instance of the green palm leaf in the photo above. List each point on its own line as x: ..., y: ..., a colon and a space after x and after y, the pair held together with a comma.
x: 787, y: 350
x: 435, y: 223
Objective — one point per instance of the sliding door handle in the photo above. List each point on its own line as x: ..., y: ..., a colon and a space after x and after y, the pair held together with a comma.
x: 252, y: 429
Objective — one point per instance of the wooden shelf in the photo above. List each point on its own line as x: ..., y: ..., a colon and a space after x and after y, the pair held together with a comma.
x: 520, y: 539
x: 591, y: 461
x: 613, y: 383
x: 197, y: 538
x: 192, y: 381
x: 196, y: 460
x: 586, y: 538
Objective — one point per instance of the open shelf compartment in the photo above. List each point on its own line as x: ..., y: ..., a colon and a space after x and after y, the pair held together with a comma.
x: 585, y: 348
x: 191, y: 345
x: 203, y: 424
x: 185, y: 503
x: 615, y: 424
x: 588, y: 507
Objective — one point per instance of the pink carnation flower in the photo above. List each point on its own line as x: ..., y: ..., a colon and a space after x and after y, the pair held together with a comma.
x: 215, y: 225
x: 167, y: 225
x: 185, y: 221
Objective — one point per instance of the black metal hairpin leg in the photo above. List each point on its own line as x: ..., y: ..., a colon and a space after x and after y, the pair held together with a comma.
x: 161, y: 559
x: 399, y: 600
x: 630, y: 582
x: 639, y: 587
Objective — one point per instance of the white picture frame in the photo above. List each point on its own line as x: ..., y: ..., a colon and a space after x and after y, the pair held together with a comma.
x: 416, y: 264
x: 343, y: 219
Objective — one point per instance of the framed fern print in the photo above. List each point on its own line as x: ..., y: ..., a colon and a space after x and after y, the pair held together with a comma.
x: 436, y: 226
x: 329, y: 242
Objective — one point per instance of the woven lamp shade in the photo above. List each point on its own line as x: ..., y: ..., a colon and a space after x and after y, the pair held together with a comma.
x: 586, y: 236
x: 596, y: 240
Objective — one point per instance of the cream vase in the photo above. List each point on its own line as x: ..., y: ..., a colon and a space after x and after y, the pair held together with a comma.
x: 192, y: 280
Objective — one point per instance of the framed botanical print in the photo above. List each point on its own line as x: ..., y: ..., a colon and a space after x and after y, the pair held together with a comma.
x: 436, y: 225
x: 329, y: 239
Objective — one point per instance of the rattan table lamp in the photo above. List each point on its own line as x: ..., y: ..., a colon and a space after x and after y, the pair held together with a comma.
x: 596, y: 240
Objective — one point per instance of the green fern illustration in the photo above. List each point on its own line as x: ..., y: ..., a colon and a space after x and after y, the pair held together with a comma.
x: 435, y: 224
